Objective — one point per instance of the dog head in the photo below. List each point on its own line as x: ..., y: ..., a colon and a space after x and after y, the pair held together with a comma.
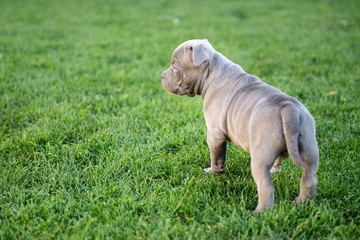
x: 189, y: 63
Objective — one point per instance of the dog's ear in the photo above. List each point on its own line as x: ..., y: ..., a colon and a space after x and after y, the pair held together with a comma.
x: 200, y: 53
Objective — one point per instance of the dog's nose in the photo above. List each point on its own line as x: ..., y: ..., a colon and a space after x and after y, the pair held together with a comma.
x: 163, y: 75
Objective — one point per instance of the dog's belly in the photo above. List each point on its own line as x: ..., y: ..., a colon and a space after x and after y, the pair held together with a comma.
x: 240, y: 141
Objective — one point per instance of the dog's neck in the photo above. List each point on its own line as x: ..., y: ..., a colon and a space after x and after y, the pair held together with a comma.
x: 219, y: 69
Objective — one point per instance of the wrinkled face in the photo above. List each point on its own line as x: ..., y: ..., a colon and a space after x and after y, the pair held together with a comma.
x: 187, y: 67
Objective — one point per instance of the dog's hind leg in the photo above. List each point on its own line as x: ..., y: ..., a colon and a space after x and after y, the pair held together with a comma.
x: 277, y: 164
x: 310, y: 156
x: 261, y: 162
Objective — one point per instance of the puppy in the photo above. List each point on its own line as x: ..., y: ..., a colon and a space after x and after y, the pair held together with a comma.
x: 240, y: 108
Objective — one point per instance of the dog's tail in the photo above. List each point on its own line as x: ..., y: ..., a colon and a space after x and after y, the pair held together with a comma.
x: 290, y: 116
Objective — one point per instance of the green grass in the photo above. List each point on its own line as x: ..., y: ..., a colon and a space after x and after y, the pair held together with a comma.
x: 91, y: 146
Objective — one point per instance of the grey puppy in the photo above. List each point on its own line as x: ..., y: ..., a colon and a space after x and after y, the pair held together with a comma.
x: 240, y: 108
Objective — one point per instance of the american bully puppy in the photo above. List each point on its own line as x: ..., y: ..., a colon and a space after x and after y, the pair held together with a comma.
x: 240, y: 108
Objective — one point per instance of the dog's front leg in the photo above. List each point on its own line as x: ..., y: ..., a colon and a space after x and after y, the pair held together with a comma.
x: 217, y: 144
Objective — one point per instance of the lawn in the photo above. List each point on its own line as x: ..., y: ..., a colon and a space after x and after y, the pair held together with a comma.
x: 92, y: 146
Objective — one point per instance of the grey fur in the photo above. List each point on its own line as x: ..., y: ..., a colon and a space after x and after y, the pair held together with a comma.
x: 240, y: 108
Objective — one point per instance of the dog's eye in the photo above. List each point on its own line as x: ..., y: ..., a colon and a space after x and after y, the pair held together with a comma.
x: 174, y: 66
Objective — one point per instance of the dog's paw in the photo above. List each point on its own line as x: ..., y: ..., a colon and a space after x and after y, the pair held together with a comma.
x: 207, y: 170
x: 275, y: 169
